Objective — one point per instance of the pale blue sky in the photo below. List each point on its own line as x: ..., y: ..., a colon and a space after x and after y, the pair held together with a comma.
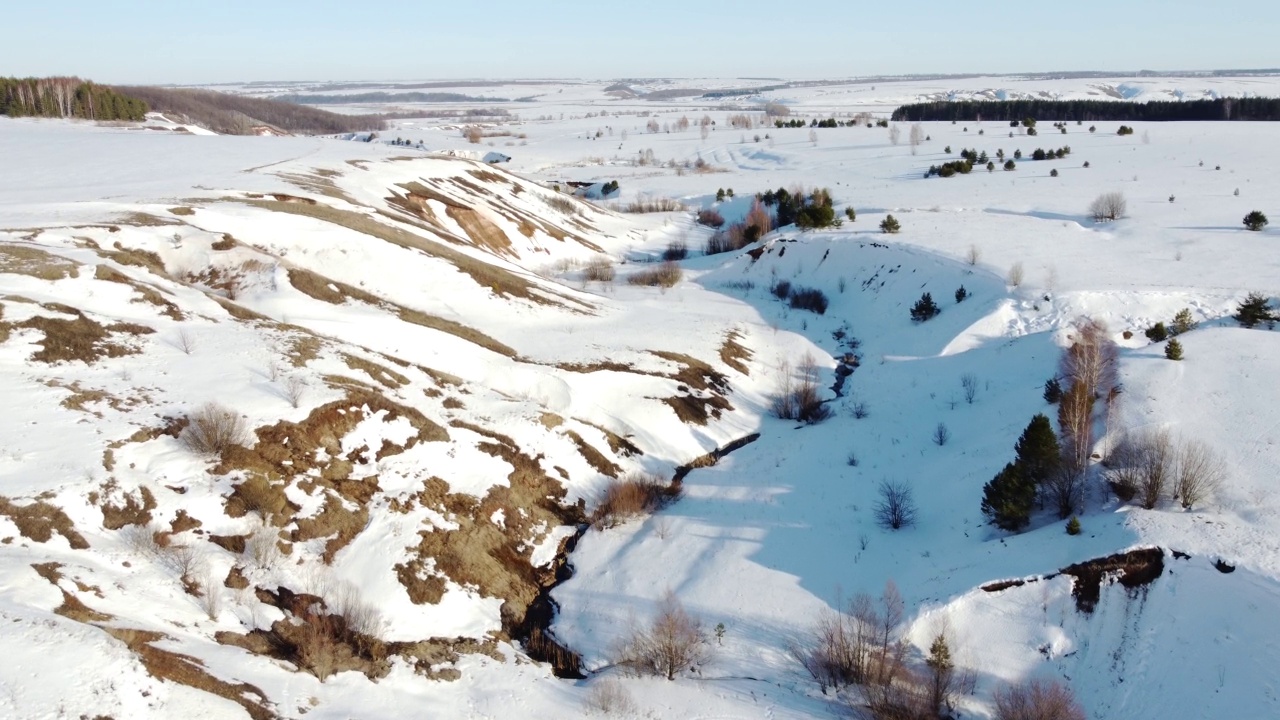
x: 177, y: 41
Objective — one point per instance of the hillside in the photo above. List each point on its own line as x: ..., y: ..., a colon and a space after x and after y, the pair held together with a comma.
x: 229, y: 114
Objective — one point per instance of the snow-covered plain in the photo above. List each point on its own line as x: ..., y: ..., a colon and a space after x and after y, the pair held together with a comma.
x: 131, y: 226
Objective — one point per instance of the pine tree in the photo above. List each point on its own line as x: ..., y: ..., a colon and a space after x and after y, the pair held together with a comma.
x: 1173, y: 350
x: 1254, y: 310
x: 1007, y: 499
x: 1052, y: 391
x: 1157, y: 332
x: 890, y: 225
x: 961, y: 294
x: 942, y: 673
x: 1038, y: 454
x: 1255, y: 220
x: 1182, y: 322
x: 1073, y: 526
x: 925, y: 308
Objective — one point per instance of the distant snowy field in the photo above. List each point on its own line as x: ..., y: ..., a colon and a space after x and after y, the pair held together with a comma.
x: 780, y: 529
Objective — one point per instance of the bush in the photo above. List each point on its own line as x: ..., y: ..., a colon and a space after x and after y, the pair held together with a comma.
x: 1010, y: 165
x: 810, y: 299
x: 924, y: 309
x: 1037, y: 700
x: 599, y: 269
x: 890, y: 225
x: 672, y: 643
x: 1108, y: 206
x: 1053, y: 173
x: 676, y: 250
x: 632, y: 496
x: 608, y: 697
x: 800, y: 400
x: 781, y: 289
x: 1073, y: 526
x: 896, y: 508
x: 212, y: 429
x: 1253, y: 310
x: 851, y: 214
x: 710, y: 218
x: 1157, y: 332
x: 665, y: 275
x: 1255, y: 221
x: 1173, y: 350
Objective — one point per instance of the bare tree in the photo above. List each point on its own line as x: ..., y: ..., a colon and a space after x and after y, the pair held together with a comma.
x: 1075, y: 422
x: 973, y: 255
x: 1155, y: 459
x: 916, y: 137
x: 1199, y: 472
x: 1092, y: 360
x: 969, y: 382
x: 800, y: 400
x: 1064, y: 488
x: 895, y: 134
x: 186, y: 342
x: 1016, y: 275
x: 941, y: 434
x: 671, y: 644
x: 896, y: 508
x: 1108, y: 206
x: 294, y: 388
x: 1037, y: 700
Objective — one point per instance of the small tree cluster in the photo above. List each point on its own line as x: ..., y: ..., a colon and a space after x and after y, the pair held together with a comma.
x: 1050, y: 154
x: 1038, y: 469
x: 806, y: 210
x: 925, y: 308
x: 800, y: 400
x: 1037, y: 700
x: 1108, y: 206
x: 1155, y: 465
x: 1123, y: 130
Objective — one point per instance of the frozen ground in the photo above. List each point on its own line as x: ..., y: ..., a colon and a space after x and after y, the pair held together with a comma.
x: 763, y: 541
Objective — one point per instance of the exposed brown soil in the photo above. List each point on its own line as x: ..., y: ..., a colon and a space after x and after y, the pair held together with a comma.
x: 1132, y: 569
x: 481, y: 230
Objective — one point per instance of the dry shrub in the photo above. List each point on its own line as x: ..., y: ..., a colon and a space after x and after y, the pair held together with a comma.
x: 859, y: 645
x: 213, y: 429
x: 800, y: 400
x: 1037, y: 700
x: 599, y: 269
x: 653, y: 205
x: 1108, y: 206
x: 665, y: 275
x: 710, y: 218
x: 566, y: 205
x: 676, y: 250
x: 608, y: 697
x: 674, y: 642
x: 632, y: 496
x: 262, y: 548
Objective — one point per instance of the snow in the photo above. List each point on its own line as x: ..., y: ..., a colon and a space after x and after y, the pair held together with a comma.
x: 763, y: 542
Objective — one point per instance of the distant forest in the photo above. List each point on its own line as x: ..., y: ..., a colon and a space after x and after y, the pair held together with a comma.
x: 238, y: 115
x: 1094, y: 110
x: 67, y: 97
x: 384, y: 97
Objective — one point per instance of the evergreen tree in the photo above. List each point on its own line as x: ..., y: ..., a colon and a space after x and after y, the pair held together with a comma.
x: 941, y: 672
x: 1182, y: 322
x: 1073, y: 526
x: 1007, y: 499
x: 1173, y: 350
x: 890, y: 225
x: 925, y: 308
x: 1038, y: 454
x: 1157, y: 332
x: 1253, y: 310
x: 1052, y: 391
x: 961, y: 294
x: 1255, y: 221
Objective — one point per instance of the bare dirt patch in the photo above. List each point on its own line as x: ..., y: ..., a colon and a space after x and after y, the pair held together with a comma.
x: 734, y: 354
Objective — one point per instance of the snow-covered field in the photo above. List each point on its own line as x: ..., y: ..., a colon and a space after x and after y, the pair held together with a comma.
x: 434, y: 388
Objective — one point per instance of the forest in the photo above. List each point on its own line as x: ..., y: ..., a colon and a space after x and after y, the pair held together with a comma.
x: 1093, y: 110
x: 66, y: 97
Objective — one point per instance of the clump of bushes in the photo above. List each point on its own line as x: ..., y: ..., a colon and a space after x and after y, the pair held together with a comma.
x: 632, y: 496
x: 800, y: 400
x: 599, y: 269
x: 665, y: 275
x: 676, y: 250
x: 1124, y: 130
x: 811, y: 299
x: 212, y: 429
x: 711, y: 218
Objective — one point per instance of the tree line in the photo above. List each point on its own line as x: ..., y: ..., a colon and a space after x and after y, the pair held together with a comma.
x: 1253, y: 108
x: 239, y: 115
x: 67, y: 97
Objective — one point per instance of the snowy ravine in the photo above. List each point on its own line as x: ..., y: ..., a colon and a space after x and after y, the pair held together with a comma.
x: 434, y: 398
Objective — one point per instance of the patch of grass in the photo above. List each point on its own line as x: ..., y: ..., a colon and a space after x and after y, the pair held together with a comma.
x: 36, y: 263
x: 149, y: 295
x: 594, y: 457
x: 78, y: 339
x: 384, y: 376
x: 599, y: 269
x: 734, y: 354
x: 336, y: 293
x: 136, y: 258
x: 630, y: 497
x: 665, y: 275
x: 40, y: 520
x: 182, y: 211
